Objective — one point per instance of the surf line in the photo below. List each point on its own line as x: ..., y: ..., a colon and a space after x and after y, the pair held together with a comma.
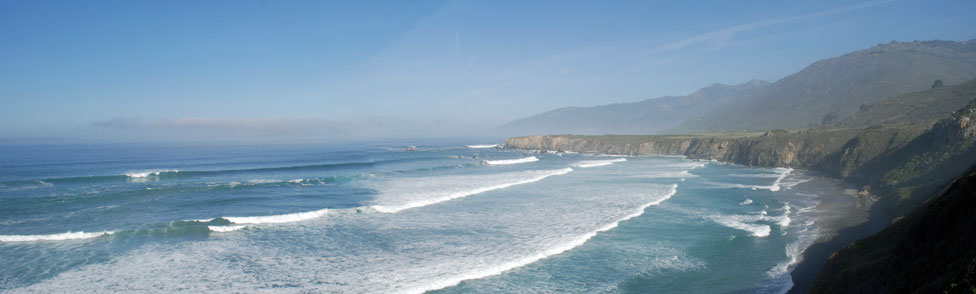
x: 579, y: 241
x: 425, y: 202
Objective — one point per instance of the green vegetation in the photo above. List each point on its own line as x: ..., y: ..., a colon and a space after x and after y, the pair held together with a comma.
x: 831, y: 90
x: 825, y: 93
x: 905, y: 149
x: 924, y: 106
x: 930, y: 250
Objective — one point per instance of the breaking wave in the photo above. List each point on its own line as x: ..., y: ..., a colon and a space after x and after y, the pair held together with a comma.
x: 224, y: 229
x: 153, y: 173
x: 277, y: 219
x: 416, y: 192
x: 595, y: 163
x: 560, y: 248
x: 512, y: 161
x: 54, y: 237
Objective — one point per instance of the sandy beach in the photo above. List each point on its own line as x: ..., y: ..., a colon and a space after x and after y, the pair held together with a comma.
x: 844, y: 216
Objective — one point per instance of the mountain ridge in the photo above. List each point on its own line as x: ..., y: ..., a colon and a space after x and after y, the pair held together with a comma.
x: 834, y: 88
x: 641, y: 117
x: 823, y: 93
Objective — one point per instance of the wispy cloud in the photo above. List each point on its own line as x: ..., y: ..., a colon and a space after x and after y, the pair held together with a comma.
x: 457, y: 43
x: 723, y: 35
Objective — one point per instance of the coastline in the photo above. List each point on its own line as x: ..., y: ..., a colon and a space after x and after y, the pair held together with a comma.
x: 843, y: 216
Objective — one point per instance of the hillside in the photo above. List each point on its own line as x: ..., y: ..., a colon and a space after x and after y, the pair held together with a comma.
x: 903, y: 163
x: 929, y: 251
x: 928, y: 105
x: 833, y: 89
x: 644, y: 117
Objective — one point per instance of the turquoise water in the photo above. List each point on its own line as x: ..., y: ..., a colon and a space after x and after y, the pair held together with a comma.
x: 375, y: 219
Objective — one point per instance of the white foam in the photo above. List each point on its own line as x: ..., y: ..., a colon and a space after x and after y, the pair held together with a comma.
x: 789, y: 183
x: 773, y: 188
x: 146, y: 174
x: 669, y: 175
x: 482, y: 146
x: 739, y: 223
x: 409, y: 193
x: 512, y: 161
x: 265, y: 181
x: 277, y: 219
x: 777, y: 185
x: 578, y: 241
x: 770, y: 176
x: 781, y: 281
x: 53, y: 237
x: 750, y: 223
x: 595, y: 163
x: 685, y: 165
x: 224, y: 229
x: 783, y: 172
x: 384, y: 253
x: 296, y: 181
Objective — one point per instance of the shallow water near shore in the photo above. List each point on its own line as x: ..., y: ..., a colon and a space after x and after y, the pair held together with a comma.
x: 451, y: 218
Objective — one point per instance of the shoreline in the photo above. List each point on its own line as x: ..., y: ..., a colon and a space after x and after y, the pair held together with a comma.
x: 843, y: 216
x: 865, y: 219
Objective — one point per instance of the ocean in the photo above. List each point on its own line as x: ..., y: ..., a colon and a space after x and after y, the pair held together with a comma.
x: 367, y: 218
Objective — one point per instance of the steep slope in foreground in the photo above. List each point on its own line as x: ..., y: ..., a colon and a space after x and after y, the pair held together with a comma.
x: 832, y: 89
x: 644, y: 117
x: 932, y: 250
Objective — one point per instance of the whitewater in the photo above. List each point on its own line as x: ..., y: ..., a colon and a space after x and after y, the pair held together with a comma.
x: 455, y: 218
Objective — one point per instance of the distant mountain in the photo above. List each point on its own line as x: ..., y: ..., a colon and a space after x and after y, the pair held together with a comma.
x: 928, y: 105
x: 831, y: 90
x: 645, y: 117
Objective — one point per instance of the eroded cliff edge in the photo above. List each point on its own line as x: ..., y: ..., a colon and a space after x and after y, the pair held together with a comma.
x: 839, y: 153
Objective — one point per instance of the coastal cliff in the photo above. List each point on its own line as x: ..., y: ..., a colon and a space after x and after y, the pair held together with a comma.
x: 907, y: 165
x: 929, y: 251
x: 837, y: 152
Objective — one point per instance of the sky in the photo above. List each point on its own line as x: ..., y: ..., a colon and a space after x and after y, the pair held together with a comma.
x: 334, y: 71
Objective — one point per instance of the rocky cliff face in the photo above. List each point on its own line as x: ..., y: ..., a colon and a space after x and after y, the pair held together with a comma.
x: 930, y: 250
x: 837, y: 152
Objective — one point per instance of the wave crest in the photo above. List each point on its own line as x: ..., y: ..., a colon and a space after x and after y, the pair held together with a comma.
x: 595, y: 163
x: 277, y: 219
x: 448, y: 194
x: 54, y: 237
x: 512, y: 161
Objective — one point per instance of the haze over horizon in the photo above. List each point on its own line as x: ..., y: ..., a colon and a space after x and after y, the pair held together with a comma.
x: 308, y: 71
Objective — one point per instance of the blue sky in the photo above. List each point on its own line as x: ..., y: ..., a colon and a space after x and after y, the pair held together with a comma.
x: 333, y: 71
